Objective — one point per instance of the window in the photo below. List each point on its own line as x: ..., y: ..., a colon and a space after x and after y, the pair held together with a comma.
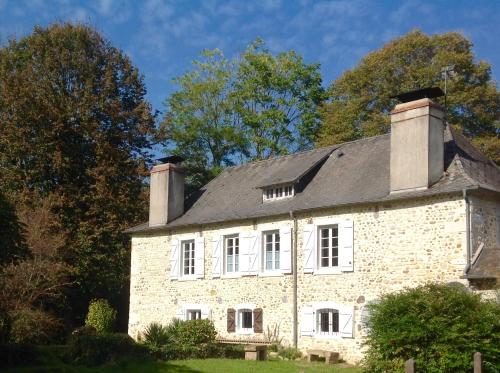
x: 187, y: 259
x: 328, y: 256
x: 193, y: 314
x: 245, y: 321
x: 327, y: 321
x: 280, y: 192
x: 232, y: 253
x: 271, y: 250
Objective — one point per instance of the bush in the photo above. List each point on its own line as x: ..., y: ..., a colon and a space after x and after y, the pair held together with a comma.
x: 15, y: 354
x: 101, y: 316
x: 289, y: 353
x: 103, y: 348
x: 439, y: 326
x: 192, y: 332
x: 156, y: 335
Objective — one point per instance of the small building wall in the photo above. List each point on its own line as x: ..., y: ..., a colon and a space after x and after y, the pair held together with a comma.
x: 396, y: 245
x: 485, y: 215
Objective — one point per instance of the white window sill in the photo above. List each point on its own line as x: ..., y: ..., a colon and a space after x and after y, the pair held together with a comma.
x: 327, y: 336
x: 232, y: 275
x: 276, y: 273
x: 187, y: 278
x: 245, y: 331
x: 328, y: 271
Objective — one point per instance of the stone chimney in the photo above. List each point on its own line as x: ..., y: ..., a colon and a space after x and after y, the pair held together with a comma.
x: 166, y: 200
x: 417, y: 144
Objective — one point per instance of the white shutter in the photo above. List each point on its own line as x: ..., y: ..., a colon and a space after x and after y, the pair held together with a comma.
x: 253, y: 252
x: 174, y: 258
x: 205, y: 312
x: 307, y: 321
x: 286, y: 250
x: 216, y: 256
x: 180, y: 314
x: 309, y: 247
x: 244, y: 255
x: 346, y: 322
x: 199, y: 257
x: 346, y: 249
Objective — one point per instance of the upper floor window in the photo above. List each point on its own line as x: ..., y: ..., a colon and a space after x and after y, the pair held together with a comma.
x: 328, y: 255
x: 271, y: 250
x: 187, y: 259
x: 280, y: 192
x: 232, y: 253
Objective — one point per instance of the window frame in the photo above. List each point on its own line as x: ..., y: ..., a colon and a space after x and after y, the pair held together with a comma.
x: 195, y: 311
x: 275, y: 253
x: 278, y: 192
x: 330, y: 311
x: 330, y: 268
x: 192, y: 258
x: 235, y: 256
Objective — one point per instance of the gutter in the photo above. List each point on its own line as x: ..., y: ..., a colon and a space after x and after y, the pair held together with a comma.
x: 467, y: 231
x: 295, y: 274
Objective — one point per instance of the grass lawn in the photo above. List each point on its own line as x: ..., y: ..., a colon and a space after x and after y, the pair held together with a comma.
x: 196, y: 366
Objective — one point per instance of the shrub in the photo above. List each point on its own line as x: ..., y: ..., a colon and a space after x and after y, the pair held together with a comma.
x: 15, y: 354
x: 289, y: 353
x: 32, y: 326
x: 101, y: 316
x: 439, y: 326
x: 156, y: 335
x: 102, y: 348
x: 192, y: 332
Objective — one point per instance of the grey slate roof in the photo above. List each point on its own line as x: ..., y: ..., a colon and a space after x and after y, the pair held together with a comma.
x: 348, y: 173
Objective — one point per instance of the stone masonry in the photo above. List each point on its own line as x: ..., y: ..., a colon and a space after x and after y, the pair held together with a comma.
x: 398, y: 244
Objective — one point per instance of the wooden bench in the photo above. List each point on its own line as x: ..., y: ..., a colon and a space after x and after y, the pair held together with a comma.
x: 330, y: 356
x: 255, y: 352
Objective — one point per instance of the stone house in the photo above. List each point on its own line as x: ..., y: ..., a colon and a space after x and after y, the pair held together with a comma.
x: 304, y: 242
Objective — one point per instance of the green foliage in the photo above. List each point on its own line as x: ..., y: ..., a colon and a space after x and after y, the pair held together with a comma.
x: 156, y: 335
x: 439, y: 326
x: 101, y: 316
x: 289, y: 353
x: 254, y: 107
x: 76, y: 127
x: 194, y: 332
x: 360, y: 99
x: 103, y: 348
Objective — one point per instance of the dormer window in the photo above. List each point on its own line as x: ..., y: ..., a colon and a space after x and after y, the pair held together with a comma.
x: 279, y: 192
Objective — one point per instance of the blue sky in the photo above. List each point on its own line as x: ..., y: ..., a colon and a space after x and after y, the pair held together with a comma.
x: 162, y: 37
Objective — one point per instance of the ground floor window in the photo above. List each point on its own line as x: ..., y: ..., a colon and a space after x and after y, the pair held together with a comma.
x: 327, y: 321
x: 245, y: 320
x: 193, y: 314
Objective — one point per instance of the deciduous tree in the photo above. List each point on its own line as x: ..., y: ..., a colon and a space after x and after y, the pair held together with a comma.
x: 360, y: 99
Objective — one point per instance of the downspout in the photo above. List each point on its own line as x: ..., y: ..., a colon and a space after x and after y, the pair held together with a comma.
x: 467, y: 230
x: 294, y: 272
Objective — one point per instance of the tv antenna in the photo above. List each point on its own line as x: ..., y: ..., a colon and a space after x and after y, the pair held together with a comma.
x: 447, y: 72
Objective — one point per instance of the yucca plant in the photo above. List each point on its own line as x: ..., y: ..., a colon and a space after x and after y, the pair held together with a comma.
x: 156, y: 335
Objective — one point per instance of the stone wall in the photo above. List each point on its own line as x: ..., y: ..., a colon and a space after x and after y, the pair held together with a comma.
x: 398, y: 244
x: 485, y: 213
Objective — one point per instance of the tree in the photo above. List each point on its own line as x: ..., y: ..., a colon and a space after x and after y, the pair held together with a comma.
x: 12, y: 243
x: 252, y: 107
x: 360, y: 99
x: 76, y: 127
x: 201, y: 124
x: 278, y: 98
x: 439, y: 326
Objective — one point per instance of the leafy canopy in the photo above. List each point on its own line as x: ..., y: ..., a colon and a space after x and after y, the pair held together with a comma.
x: 256, y: 106
x: 360, y: 99
x: 439, y: 326
x: 76, y: 129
